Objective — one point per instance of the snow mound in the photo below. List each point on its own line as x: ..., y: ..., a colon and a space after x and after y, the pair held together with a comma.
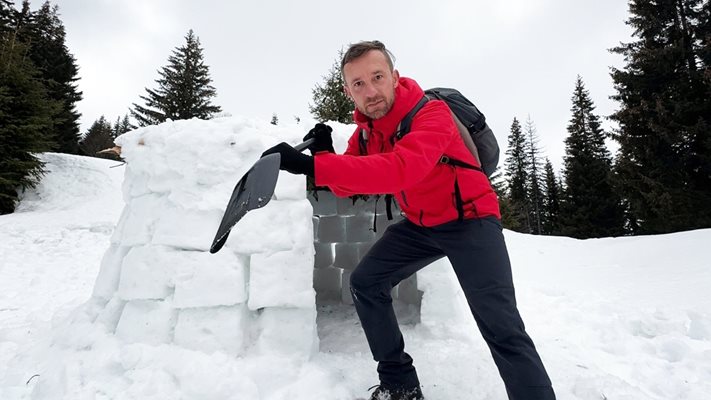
x: 72, y: 182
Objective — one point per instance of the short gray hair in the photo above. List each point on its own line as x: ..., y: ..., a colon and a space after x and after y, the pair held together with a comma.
x: 358, y: 49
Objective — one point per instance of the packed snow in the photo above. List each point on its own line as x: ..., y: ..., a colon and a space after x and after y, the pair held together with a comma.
x: 89, y: 291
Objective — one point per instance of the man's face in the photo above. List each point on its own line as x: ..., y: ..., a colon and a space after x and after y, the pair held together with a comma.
x: 371, y: 84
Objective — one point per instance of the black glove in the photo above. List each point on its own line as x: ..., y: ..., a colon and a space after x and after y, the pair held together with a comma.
x: 322, y: 134
x: 293, y: 160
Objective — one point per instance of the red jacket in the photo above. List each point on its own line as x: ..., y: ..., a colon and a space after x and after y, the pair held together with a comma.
x: 423, y: 187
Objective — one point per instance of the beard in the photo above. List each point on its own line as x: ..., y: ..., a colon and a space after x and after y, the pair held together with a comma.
x: 378, y: 110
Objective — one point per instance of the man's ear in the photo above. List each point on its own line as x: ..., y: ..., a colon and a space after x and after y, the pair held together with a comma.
x: 396, y: 76
x: 347, y: 92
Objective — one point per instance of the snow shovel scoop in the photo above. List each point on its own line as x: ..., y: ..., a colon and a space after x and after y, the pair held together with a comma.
x: 254, y: 190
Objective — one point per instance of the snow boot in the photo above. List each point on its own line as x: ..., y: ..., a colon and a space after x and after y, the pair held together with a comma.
x: 381, y: 393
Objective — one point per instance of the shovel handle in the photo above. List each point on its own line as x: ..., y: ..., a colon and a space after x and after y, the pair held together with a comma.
x: 305, y: 145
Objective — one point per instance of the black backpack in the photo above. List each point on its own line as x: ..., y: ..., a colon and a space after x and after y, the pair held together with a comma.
x: 476, y: 134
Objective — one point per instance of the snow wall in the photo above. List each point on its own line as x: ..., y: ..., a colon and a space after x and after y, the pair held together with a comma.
x: 160, y: 283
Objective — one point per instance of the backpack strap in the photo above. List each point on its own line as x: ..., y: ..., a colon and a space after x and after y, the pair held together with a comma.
x: 456, y: 163
x: 363, y: 142
x: 363, y: 139
x: 406, y: 122
x: 388, y: 209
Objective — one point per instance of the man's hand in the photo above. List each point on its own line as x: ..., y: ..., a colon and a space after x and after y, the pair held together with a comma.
x: 322, y: 134
x: 292, y: 160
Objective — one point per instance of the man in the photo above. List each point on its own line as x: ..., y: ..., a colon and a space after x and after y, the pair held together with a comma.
x: 450, y: 211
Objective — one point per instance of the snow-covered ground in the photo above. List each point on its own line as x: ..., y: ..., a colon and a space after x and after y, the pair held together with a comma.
x: 624, y: 318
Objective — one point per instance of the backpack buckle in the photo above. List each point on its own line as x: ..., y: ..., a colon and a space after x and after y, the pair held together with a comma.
x: 444, y: 159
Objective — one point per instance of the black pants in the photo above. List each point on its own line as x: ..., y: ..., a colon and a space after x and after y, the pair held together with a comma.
x: 477, y: 251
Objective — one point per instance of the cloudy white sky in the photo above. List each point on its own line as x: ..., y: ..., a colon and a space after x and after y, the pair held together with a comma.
x: 512, y: 58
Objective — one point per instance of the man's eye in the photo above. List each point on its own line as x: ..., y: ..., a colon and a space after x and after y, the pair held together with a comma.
x: 378, y: 77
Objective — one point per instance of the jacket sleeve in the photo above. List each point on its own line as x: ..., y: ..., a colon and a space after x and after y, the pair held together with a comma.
x: 412, y: 158
x: 353, y: 149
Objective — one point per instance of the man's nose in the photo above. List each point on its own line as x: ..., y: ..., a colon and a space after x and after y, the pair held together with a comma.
x: 370, y: 91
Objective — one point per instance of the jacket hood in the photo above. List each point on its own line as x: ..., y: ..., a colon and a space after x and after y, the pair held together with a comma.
x: 407, y: 94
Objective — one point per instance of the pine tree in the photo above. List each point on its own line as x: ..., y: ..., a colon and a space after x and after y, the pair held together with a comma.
x: 591, y: 207
x: 517, y: 167
x: 703, y: 33
x: 26, y: 115
x: 184, y: 88
x: 535, y: 178
x: 275, y: 119
x: 121, y: 126
x: 664, y: 162
x: 701, y: 155
x: 44, y: 31
x: 330, y: 100
x: 551, y: 201
x: 499, y: 184
x: 100, y: 136
x: 7, y: 12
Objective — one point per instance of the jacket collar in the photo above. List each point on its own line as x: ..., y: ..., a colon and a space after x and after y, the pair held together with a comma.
x: 407, y: 94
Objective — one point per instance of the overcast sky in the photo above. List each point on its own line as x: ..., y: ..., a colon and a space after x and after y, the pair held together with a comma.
x: 512, y: 58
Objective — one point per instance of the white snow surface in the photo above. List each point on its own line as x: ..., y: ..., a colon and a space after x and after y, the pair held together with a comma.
x: 615, y: 318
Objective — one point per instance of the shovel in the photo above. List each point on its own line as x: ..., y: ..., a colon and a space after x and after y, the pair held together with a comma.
x: 254, y: 190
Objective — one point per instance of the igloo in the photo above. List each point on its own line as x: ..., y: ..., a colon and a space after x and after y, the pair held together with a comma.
x: 160, y: 284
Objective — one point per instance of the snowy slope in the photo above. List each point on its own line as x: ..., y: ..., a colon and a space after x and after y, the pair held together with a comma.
x: 624, y: 318
x: 50, y: 247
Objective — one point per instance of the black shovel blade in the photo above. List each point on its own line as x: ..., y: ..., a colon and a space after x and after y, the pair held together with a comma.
x: 254, y: 190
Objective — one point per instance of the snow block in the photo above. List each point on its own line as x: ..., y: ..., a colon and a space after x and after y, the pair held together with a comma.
x: 137, y: 228
x: 359, y: 228
x: 443, y: 303
x: 107, y: 281
x: 325, y: 205
x: 282, y: 279
x: 347, y: 256
x: 327, y: 281
x: 187, y: 229
x: 323, y: 255
x: 408, y: 292
x: 117, y: 234
x: 288, y: 331
x: 146, y: 321
x: 331, y: 229
x: 145, y: 274
x: 110, y: 315
x: 279, y: 226
x: 315, y: 221
x: 290, y: 187
x: 344, y: 205
x: 346, y: 296
x: 213, y: 329
x: 164, y: 180
x: 136, y: 186
x: 365, y: 207
x: 206, y: 280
